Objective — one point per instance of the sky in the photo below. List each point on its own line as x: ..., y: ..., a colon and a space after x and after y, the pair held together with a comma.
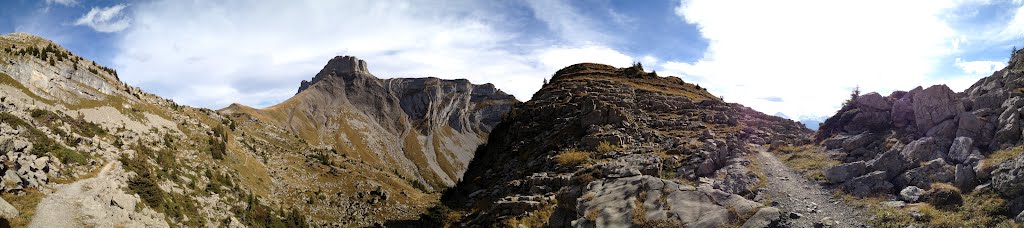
x: 793, y: 58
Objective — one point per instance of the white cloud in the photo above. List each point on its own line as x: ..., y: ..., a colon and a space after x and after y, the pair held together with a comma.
x: 63, y: 2
x: 979, y: 67
x: 563, y: 19
x: 811, y: 53
x: 106, y: 19
x: 211, y: 54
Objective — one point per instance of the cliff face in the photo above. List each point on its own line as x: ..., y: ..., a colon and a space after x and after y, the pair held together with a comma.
x: 425, y: 129
x: 597, y: 139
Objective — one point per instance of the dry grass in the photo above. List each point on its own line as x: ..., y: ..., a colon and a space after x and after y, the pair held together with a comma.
x: 755, y: 166
x: 538, y: 218
x: 809, y: 160
x: 573, y: 158
x: 1000, y: 156
x: 978, y: 210
x: 605, y: 147
x: 26, y: 205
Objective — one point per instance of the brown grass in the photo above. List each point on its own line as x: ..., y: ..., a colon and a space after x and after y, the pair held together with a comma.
x: 809, y: 160
x: 26, y: 205
x: 978, y: 210
x: 538, y: 218
x: 1000, y: 156
x: 573, y: 158
x: 605, y: 147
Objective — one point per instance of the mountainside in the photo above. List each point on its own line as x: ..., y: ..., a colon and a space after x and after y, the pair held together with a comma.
x: 609, y: 146
x: 922, y: 145
x: 425, y: 129
x: 82, y: 148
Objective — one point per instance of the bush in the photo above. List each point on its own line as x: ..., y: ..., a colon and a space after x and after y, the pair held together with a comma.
x: 572, y: 158
x: 605, y: 147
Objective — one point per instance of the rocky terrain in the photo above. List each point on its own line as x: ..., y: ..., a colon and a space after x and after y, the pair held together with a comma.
x: 934, y: 148
x: 604, y: 146
x: 82, y: 148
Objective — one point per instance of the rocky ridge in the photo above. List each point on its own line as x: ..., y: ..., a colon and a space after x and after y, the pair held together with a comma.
x: 605, y: 146
x: 901, y: 144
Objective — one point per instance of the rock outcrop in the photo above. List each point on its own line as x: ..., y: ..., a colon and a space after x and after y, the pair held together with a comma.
x: 632, y: 144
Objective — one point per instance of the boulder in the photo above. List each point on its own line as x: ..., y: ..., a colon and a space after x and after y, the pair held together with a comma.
x: 1008, y: 178
x: 736, y: 179
x: 964, y: 177
x: 961, y: 150
x: 911, y: 194
x: 933, y: 105
x: 7, y: 211
x: 990, y: 100
x: 971, y: 126
x: 858, y: 141
x: 868, y: 184
x: 944, y: 132
x: 891, y: 162
x: 873, y: 101
x: 902, y: 112
x: 921, y: 150
x: 930, y: 172
x: 765, y: 217
x: 873, y: 121
x: 844, y: 172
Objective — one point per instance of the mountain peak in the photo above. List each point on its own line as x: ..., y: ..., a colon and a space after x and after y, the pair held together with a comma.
x: 337, y: 66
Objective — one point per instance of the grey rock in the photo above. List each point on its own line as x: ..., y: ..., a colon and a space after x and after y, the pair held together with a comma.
x: 935, y: 105
x: 961, y: 150
x: 891, y: 162
x: 7, y: 210
x: 844, y: 172
x: 894, y: 203
x: 873, y: 101
x: 945, y: 131
x: 1008, y: 178
x: 921, y: 150
x: 930, y: 172
x: 964, y: 177
x: 871, y: 183
x: 736, y: 179
x: 903, y: 111
x: 858, y: 141
x: 911, y: 194
x: 765, y: 217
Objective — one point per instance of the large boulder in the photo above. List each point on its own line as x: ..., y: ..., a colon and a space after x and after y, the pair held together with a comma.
x: 873, y: 101
x: 971, y: 126
x: 921, y: 150
x: 961, y: 150
x: 933, y: 105
x: 858, y: 141
x: 844, y: 172
x: 903, y: 109
x: 7, y: 211
x: 964, y: 177
x: 864, y: 120
x: 868, y: 184
x: 1008, y: 179
x: 891, y: 162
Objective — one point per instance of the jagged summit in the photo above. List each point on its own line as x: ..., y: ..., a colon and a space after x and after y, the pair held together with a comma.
x: 337, y: 66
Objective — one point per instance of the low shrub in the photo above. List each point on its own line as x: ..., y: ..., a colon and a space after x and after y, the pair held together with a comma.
x: 572, y: 158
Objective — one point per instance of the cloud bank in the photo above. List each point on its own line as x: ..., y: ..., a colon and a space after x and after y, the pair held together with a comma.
x: 105, y: 19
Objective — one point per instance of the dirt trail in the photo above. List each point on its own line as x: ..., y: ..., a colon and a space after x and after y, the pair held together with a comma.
x: 60, y: 209
x: 795, y: 194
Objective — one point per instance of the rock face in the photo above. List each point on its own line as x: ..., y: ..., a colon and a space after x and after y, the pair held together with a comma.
x: 935, y: 136
x: 640, y: 134
x: 427, y: 128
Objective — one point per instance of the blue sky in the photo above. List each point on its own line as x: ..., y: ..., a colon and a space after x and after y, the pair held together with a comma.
x: 798, y: 58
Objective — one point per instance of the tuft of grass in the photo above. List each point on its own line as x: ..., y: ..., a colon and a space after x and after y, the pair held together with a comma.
x: 26, y: 205
x: 572, y: 158
x: 538, y: 218
x: 807, y: 159
x: 996, y: 158
x: 605, y: 147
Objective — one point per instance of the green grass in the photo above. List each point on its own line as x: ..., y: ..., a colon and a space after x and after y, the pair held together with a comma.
x: 41, y: 144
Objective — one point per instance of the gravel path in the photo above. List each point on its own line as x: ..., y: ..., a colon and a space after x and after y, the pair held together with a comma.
x: 803, y: 202
x: 60, y: 209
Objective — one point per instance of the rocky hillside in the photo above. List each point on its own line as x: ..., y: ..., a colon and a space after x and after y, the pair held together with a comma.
x: 82, y: 148
x: 921, y: 145
x: 605, y: 146
x: 424, y: 129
